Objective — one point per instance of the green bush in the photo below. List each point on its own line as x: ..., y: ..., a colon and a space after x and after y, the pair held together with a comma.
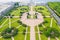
x: 52, y: 32
x: 9, y: 32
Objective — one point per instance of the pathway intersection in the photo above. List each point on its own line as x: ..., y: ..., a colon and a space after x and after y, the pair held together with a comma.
x: 32, y: 22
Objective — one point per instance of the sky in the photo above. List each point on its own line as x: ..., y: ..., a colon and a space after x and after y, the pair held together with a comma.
x: 26, y: 0
x: 14, y: 0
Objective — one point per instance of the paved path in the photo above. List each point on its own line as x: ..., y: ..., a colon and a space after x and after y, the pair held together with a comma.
x: 12, y: 38
x: 48, y: 38
x: 39, y: 33
x: 47, y: 16
x: 32, y: 33
x: 26, y: 33
x: 51, y: 22
x: 32, y: 22
x: 18, y: 26
x: 32, y: 30
x: 9, y: 22
x: 12, y: 16
x: 56, y: 38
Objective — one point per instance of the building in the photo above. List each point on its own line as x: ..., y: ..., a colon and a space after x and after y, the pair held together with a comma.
x: 4, y: 8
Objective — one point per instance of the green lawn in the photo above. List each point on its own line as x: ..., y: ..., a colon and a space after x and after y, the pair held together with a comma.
x: 47, y: 22
x: 28, y: 34
x: 36, y: 33
x: 20, y: 36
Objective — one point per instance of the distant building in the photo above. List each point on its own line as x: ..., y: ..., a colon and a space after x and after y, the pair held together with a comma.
x: 5, y: 7
x: 23, y: 4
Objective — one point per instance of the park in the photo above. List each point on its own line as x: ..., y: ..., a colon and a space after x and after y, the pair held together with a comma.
x: 31, y: 22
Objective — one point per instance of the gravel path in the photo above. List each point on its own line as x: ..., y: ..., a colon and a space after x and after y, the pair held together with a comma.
x: 32, y: 33
x: 26, y: 33
x: 56, y: 38
x: 32, y: 22
x: 12, y: 38
x: 48, y: 38
x: 9, y: 22
x: 51, y: 22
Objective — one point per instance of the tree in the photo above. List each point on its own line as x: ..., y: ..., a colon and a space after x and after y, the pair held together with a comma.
x: 9, y: 32
x: 51, y: 32
x: 16, y: 4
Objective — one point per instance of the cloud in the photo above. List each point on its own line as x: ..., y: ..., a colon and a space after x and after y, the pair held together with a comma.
x: 14, y: 0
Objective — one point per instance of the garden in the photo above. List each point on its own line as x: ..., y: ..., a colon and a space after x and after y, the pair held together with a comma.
x: 49, y: 28
x: 11, y: 27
